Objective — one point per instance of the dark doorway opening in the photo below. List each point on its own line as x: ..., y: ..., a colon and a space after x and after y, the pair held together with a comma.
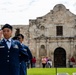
x: 59, y: 57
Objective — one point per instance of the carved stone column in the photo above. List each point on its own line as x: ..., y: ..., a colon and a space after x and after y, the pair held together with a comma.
x: 38, y: 43
x: 47, y: 46
x: 37, y: 53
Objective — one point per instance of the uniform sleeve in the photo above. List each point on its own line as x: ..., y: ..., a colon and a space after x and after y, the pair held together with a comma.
x: 29, y: 53
x: 23, y: 54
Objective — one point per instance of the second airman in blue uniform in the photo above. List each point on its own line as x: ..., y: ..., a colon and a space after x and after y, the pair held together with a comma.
x: 23, y: 67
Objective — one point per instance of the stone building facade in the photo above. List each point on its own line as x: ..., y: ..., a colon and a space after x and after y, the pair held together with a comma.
x: 52, y: 35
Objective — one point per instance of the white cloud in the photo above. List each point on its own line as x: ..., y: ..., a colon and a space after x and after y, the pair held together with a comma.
x: 20, y: 11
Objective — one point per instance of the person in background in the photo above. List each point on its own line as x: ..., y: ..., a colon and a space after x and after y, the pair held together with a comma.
x: 44, y: 61
x: 49, y: 62
x: 28, y: 64
x: 23, y: 65
x: 9, y: 53
x: 71, y: 61
x: 33, y: 62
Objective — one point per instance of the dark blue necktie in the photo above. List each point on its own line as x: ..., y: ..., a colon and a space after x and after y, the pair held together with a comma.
x: 8, y: 43
x: 7, y: 40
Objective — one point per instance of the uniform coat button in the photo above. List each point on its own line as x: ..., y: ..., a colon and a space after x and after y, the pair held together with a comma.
x: 7, y: 60
x: 8, y: 51
x: 8, y: 56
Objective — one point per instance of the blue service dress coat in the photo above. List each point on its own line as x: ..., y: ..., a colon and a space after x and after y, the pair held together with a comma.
x: 9, y: 58
x: 23, y: 66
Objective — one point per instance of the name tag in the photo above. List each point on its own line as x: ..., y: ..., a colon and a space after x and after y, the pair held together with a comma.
x: 16, y: 46
x: 25, y: 49
x: 2, y: 46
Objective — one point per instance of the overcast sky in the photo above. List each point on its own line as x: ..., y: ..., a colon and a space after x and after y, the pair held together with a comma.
x: 20, y: 11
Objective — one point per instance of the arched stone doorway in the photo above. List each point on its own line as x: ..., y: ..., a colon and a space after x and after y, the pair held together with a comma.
x: 59, y: 57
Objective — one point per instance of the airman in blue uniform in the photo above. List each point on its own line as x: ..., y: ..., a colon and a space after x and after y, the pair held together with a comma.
x: 23, y: 67
x: 9, y: 53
